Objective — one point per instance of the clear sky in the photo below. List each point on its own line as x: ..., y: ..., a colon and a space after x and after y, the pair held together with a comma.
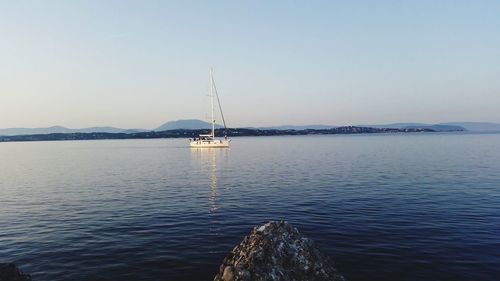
x: 137, y: 64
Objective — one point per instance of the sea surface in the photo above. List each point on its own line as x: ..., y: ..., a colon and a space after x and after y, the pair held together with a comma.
x: 421, y: 206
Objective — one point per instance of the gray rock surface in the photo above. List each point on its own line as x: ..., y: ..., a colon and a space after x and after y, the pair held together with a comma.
x: 9, y: 272
x: 277, y: 251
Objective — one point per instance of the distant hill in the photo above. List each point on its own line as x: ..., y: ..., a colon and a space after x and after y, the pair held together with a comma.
x: 33, y: 131
x: 57, y: 130
x: 434, y: 127
x: 186, y: 124
x: 194, y: 124
x: 298, y: 127
x: 134, y: 131
x: 397, y: 125
x: 476, y: 126
x: 99, y: 130
x: 468, y: 126
x: 438, y: 128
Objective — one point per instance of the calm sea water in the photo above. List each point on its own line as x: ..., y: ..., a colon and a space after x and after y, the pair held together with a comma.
x: 385, y: 207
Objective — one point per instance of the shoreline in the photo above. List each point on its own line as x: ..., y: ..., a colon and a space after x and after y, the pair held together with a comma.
x: 231, y: 132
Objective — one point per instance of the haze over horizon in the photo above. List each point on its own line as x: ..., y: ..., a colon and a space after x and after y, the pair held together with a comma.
x: 133, y: 64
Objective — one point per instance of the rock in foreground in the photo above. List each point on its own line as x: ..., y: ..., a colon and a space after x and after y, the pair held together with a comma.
x: 277, y: 251
x: 9, y: 272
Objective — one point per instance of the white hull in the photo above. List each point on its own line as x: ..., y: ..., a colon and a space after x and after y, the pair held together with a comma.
x: 212, y: 143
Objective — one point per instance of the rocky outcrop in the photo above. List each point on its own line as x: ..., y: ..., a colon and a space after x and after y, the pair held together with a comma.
x: 9, y: 272
x: 277, y: 251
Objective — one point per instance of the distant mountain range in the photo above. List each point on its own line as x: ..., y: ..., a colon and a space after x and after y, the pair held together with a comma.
x: 435, y: 127
x: 186, y: 124
x: 297, y: 127
x: 57, y: 129
x: 194, y: 124
x: 468, y: 126
x: 477, y: 126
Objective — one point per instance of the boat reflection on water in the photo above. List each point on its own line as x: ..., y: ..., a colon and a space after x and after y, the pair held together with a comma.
x: 207, y: 161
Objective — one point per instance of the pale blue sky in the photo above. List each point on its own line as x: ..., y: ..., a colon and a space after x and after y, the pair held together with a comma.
x: 141, y: 63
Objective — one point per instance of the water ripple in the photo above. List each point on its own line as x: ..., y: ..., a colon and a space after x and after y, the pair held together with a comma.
x: 386, y: 207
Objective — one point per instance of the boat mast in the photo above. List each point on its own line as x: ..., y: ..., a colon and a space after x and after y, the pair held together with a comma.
x: 220, y: 107
x: 212, y: 99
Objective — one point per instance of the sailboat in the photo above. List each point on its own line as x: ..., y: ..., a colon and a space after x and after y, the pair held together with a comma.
x: 209, y: 140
